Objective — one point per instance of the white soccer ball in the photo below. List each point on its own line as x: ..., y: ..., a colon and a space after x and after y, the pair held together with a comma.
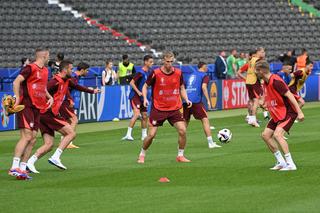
x: 224, y: 135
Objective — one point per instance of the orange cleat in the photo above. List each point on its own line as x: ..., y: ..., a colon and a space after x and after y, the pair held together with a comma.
x: 141, y: 159
x: 182, y: 159
x: 72, y: 146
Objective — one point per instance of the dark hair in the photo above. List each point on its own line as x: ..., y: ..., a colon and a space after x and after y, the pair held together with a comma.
x: 252, y: 52
x: 108, y: 61
x: 83, y: 66
x: 23, y: 60
x: 64, y: 64
x: 201, y: 64
x: 60, y: 56
x: 147, y: 57
x: 124, y: 57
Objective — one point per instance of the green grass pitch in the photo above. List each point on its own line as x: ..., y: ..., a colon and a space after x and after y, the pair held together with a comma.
x: 103, y: 175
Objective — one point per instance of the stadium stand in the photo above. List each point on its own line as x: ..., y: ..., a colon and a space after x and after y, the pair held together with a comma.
x: 28, y: 24
x: 314, y: 3
x: 194, y: 30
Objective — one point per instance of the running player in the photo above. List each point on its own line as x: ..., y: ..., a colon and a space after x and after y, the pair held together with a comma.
x: 284, y: 109
x: 30, y: 89
x: 196, y: 86
x: 136, y: 98
x: 167, y: 90
x: 66, y: 109
x: 255, y: 91
x: 298, y: 79
x: 52, y: 121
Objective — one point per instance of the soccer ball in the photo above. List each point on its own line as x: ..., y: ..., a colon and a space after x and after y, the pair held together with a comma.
x: 224, y: 135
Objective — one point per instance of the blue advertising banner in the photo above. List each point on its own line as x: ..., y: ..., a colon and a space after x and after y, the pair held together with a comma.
x: 113, y: 103
x: 7, y: 122
x: 310, y: 91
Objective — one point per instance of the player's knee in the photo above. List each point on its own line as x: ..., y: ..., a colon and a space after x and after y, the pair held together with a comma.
x: 265, y: 136
x: 33, y: 142
x: 72, y: 134
x: 152, y: 134
x: 278, y: 135
x: 29, y: 137
x: 182, y: 131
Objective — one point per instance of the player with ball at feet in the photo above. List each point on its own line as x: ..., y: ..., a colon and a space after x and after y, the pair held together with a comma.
x: 167, y: 90
x: 284, y: 110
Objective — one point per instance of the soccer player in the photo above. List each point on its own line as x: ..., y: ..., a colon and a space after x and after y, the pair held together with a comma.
x: 298, y: 79
x: 196, y: 86
x: 136, y: 98
x: 255, y: 91
x: 167, y: 90
x: 51, y: 120
x: 30, y: 89
x: 284, y: 73
x: 66, y: 109
x: 284, y: 109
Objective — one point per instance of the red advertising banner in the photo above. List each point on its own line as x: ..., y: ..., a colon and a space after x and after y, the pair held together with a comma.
x: 234, y: 94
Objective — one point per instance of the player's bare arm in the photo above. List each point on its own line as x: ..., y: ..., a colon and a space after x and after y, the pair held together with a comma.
x: 291, y: 98
x: 184, y: 95
x: 144, y: 95
x: 134, y: 87
x: 16, y: 88
x: 50, y: 99
x: 205, y: 93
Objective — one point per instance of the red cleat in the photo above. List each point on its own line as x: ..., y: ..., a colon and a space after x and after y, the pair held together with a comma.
x: 182, y: 159
x: 141, y: 159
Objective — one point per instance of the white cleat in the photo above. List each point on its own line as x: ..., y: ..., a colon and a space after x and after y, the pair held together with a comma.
x: 213, y: 145
x: 127, y: 138
x: 289, y: 167
x: 32, y: 168
x: 278, y: 166
x: 57, y: 163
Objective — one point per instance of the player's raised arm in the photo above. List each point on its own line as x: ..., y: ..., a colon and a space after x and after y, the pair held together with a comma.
x: 291, y: 98
x: 243, y: 69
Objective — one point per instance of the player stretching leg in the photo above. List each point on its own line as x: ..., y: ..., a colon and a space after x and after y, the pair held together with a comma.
x: 136, y: 98
x: 284, y: 109
x: 196, y: 86
x: 167, y: 86
x: 51, y: 120
x: 35, y: 97
x: 66, y: 109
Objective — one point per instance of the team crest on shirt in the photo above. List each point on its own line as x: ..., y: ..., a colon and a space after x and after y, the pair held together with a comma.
x: 160, y: 92
x: 138, y: 106
x: 154, y: 122
x: 31, y: 124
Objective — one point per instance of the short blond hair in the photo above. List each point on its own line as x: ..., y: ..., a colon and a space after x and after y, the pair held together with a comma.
x: 167, y: 55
